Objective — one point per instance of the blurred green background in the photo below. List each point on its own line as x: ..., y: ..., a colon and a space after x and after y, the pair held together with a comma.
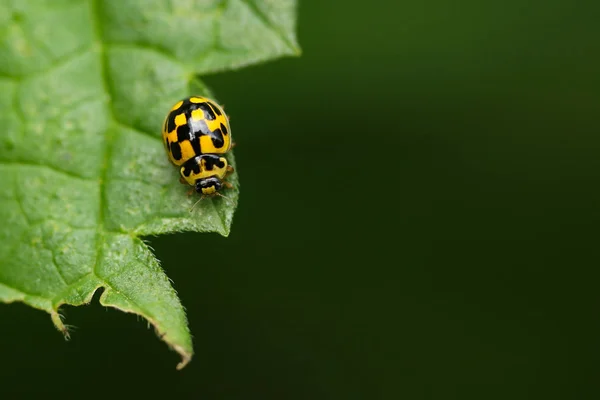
x: 418, y: 219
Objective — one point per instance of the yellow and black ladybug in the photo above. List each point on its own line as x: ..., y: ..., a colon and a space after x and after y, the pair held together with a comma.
x: 196, y: 135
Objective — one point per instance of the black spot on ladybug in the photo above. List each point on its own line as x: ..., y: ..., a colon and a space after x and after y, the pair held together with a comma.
x: 196, y: 145
x: 183, y: 133
x: 195, y: 166
x: 170, y: 122
x: 224, y: 129
x: 217, y: 138
x: 176, y: 150
x: 191, y: 165
x: 210, y: 160
x: 185, y: 105
x: 214, y: 108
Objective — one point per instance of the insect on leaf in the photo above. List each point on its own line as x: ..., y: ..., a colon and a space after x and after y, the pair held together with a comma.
x: 84, y: 88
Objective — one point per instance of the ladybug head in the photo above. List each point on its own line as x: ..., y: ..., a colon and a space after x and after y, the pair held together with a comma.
x: 208, y: 186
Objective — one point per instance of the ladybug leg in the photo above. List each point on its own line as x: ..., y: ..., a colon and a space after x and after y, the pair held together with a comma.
x: 229, y: 170
x: 228, y: 185
x: 182, y: 180
x: 189, y: 192
x: 232, y: 145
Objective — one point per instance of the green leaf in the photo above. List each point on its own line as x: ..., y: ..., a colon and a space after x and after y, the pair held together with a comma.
x: 84, y: 88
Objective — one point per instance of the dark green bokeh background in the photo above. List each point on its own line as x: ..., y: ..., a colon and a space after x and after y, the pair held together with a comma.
x: 419, y: 219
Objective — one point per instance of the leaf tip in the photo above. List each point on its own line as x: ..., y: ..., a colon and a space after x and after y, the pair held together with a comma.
x: 224, y: 232
x: 185, y: 358
x: 182, y: 345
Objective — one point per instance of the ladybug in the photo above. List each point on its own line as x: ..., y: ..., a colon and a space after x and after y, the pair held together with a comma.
x: 196, y: 135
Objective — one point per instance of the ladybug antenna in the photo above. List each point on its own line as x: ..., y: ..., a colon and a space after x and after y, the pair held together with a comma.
x: 199, y: 200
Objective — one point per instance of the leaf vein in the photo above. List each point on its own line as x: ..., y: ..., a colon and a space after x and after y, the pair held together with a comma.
x: 130, y: 127
x: 152, y: 48
x: 97, y: 30
x: 60, y: 62
x: 30, y: 164
x: 95, y: 15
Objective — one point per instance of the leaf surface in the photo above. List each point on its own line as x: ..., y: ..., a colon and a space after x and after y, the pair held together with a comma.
x: 84, y: 88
